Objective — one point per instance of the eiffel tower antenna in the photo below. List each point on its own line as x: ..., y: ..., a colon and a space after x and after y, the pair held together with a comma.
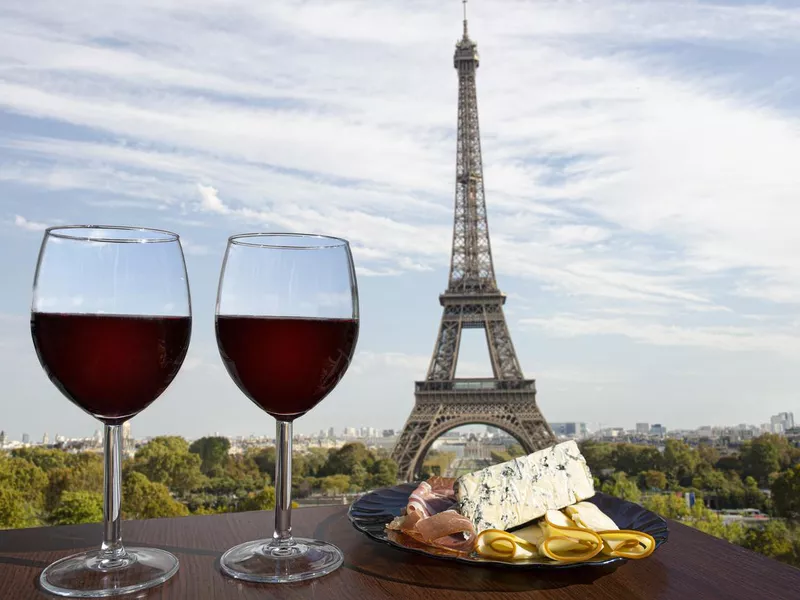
x: 472, y: 300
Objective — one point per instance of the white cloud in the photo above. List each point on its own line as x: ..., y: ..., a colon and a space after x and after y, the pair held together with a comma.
x: 24, y: 223
x: 194, y: 249
x: 613, y: 157
x: 638, y: 156
x: 210, y: 201
x: 726, y: 338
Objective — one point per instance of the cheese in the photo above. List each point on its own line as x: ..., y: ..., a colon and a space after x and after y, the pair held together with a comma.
x: 512, y: 493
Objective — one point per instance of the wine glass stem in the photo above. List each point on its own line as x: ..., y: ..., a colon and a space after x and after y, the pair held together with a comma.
x: 283, y: 484
x: 112, y: 549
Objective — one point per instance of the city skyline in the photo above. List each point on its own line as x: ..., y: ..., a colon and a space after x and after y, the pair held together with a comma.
x: 780, y: 423
x: 638, y: 167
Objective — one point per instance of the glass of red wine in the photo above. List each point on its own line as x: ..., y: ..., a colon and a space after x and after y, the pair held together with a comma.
x: 287, y: 325
x: 111, y: 322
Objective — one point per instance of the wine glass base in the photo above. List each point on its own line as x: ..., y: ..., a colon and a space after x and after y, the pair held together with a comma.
x: 266, y: 561
x: 85, y: 576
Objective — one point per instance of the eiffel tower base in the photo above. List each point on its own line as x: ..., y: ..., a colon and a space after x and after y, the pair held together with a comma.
x: 477, y: 402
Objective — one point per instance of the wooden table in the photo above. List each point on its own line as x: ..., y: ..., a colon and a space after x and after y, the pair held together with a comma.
x: 691, y: 566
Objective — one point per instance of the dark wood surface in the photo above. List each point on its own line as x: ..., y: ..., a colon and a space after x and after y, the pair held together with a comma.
x: 691, y: 566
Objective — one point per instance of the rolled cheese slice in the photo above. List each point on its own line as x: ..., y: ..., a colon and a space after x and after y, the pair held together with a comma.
x: 555, y: 537
x: 515, y: 492
x: 616, y: 542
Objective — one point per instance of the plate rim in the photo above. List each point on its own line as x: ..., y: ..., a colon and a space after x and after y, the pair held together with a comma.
x: 488, y: 562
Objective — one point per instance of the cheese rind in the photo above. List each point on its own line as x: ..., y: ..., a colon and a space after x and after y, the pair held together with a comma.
x: 512, y: 493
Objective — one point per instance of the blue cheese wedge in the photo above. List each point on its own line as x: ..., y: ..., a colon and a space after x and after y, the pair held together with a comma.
x: 512, y: 493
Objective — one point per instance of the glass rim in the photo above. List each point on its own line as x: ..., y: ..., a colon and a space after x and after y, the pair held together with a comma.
x: 62, y: 232
x: 242, y: 239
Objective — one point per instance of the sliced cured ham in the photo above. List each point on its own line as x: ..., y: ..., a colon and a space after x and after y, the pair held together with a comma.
x: 447, y: 529
x: 430, y: 517
x: 432, y: 497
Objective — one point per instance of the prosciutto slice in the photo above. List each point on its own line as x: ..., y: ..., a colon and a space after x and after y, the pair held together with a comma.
x: 432, y: 497
x: 430, y: 517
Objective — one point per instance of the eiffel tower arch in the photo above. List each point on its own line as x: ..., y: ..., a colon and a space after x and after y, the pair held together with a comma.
x: 472, y: 300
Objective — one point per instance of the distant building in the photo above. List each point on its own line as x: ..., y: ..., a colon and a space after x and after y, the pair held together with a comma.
x: 388, y: 433
x: 658, y: 429
x: 643, y: 428
x: 45, y: 439
x: 26, y: 439
x: 331, y: 432
x: 127, y: 437
x: 571, y: 429
x: 2, y: 438
x: 781, y: 422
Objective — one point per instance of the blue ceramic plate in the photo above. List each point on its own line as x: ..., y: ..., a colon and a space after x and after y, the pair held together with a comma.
x: 370, y: 514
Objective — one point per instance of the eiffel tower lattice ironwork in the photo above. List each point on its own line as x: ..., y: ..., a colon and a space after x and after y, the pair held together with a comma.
x: 472, y: 300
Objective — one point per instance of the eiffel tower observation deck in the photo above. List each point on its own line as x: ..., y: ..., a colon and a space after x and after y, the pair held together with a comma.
x: 472, y: 300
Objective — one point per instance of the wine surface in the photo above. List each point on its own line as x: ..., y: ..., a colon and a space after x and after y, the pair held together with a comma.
x: 112, y: 366
x: 286, y: 365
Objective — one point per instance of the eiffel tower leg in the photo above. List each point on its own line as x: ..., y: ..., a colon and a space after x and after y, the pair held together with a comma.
x: 413, y: 440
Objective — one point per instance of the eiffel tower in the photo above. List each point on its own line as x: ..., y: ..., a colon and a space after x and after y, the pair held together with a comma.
x: 472, y: 300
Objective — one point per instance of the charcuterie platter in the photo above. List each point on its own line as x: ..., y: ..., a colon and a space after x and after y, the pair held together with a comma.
x: 534, y: 512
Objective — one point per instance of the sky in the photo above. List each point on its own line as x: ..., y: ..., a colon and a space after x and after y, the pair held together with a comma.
x: 639, y: 165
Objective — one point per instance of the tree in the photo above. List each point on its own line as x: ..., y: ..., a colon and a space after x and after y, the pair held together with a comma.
x: 653, y: 480
x: 265, y: 460
x: 436, y: 463
x: 15, y: 510
x: 515, y: 450
x: 78, y: 507
x: 708, y: 456
x: 244, y: 469
x: 145, y: 499
x: 773, y: 540
x: 335, y: 484
x: 680, y: 461
x: 303, y: 487
x: 598, y: 456
x: 669, y: 506
x: 263, y: 500
x: 44, y: 458
x: 344, y: 460
x: 167, y: 460
x: 729, y: 463
x: 213, y: 452
x: 633, y: 458
x: 500, y: 456
x: 81, y: 472
x: 359, y: 477
x: 761, y: 457
x: 384, y: 473
x: 315, y: 460
x: 620, y: 486
x: 786, y: 493
x: 24, y: 477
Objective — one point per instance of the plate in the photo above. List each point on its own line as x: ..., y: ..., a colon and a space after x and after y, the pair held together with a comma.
x: 370, y: 514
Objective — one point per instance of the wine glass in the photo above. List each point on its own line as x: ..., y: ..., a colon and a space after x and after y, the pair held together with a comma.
x: 287, y: 324
x: 111, y: 322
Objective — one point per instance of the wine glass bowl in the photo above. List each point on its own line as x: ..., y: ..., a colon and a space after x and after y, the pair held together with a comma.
x: 287, y: 326
x: 111, y: 323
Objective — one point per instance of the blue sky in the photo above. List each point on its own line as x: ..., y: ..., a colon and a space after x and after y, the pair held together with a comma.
x: 640, y: 178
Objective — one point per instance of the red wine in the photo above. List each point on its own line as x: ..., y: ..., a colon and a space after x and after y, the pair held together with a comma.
x: 286, y: 365
x: 112, y: 366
